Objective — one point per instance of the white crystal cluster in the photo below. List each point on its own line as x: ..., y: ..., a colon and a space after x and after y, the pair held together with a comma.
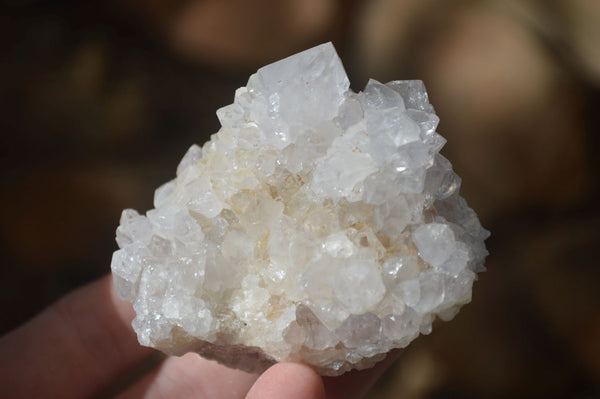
x: 318, y: 225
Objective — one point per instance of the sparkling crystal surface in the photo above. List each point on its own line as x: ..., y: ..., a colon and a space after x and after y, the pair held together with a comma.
x: 318, y: 225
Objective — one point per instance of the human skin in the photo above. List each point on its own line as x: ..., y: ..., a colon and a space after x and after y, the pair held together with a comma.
x: 83, y: 344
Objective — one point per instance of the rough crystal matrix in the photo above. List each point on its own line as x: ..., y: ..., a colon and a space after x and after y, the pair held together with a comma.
x: 318, y: 225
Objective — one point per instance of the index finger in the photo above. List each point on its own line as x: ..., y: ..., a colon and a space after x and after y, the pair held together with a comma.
x: 74, y: 348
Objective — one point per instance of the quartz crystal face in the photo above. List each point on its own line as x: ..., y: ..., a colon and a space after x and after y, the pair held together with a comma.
x: 317, y: 225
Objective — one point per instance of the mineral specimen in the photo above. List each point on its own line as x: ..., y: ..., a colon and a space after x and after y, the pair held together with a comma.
x: 318, y: 225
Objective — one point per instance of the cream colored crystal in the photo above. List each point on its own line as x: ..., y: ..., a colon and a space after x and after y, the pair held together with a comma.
x: 318, y: 225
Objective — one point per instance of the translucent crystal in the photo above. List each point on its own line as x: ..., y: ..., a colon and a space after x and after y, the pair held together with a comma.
x: 318, y: 225
x: 358, y: 286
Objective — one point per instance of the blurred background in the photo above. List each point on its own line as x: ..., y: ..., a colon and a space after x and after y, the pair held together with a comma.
x: 100, y: 99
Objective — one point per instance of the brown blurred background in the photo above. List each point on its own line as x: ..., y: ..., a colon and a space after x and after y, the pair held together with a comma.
x: 100, y: 99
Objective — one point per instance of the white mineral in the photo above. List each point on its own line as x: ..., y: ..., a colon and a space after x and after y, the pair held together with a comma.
x: 318, y: 225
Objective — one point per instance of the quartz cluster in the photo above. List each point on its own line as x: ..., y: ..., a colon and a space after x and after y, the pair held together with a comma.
x: 318, y: 225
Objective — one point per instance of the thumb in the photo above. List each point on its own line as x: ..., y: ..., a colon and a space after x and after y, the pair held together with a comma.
x: 289, y: 381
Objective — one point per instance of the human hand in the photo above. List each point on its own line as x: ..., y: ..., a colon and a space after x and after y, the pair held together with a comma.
x: 83, y: 345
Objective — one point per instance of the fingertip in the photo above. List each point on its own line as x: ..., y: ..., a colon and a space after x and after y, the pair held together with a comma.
x: 290, y: 381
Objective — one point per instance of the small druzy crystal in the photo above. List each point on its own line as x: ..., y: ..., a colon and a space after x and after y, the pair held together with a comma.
x: 318, y: 225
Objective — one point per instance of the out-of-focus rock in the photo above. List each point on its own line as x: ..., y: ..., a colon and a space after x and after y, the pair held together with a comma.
x: 236, y: 34
x: 510, y: 109
x: 582, y: 19
x: 385, y: 33
x: 486, y: 69
x: 43, y: 216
